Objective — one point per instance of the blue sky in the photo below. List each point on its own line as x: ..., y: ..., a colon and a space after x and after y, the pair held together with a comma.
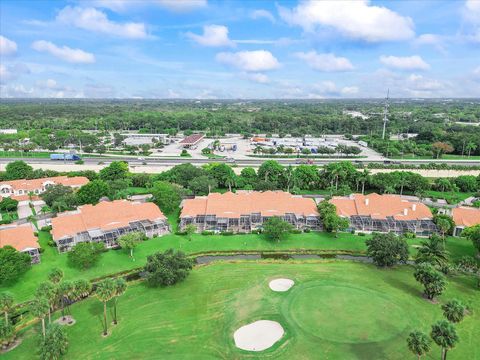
x: 239, y: 49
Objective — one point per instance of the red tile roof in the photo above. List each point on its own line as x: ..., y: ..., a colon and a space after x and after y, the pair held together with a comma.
x: 466, y: 216
x: 232, y: 205
x: 105, y: 216
x: 20, y: 237
x: 33, y: 184
x: 192, y: 139
x: 380, y: 206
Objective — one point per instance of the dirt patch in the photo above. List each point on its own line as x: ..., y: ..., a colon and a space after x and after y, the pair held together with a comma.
x: 66, y: 320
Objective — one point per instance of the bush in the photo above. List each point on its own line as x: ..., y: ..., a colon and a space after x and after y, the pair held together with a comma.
x: 13, y: 264
x: 295, y: 231
x: 207, y: 232
x: 361, y: 234
x: 46, y: 228
x: 409, y: 235
x: 35, y: 233
x: 227, y: 233
x: 387, y: 250
x: 84, y: 255
x: 180, y: 232
x: 256, y: 231
x: 168, y: 268
x: 52, y: 243
x: 307, y: 230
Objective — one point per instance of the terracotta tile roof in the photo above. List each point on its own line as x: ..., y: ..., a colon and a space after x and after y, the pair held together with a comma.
x: 24, y: 197
x: 105, y: 215
x: 20, y: 237
x: 192, y: 139
x: 466, y: 216
x: 232, y: 205
x: 32, y: 184
x: 380, y: 206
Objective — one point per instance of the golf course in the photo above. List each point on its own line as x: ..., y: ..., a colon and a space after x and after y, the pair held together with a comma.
x: 336, y: 309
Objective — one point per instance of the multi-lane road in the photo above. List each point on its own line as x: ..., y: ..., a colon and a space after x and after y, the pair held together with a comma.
x: 254, y: 162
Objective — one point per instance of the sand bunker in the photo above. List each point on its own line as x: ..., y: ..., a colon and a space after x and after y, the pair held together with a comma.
x: 258, y: 336
x: 281, y: 284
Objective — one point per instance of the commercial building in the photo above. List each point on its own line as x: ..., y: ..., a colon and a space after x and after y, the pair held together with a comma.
x: 465, y: 217
x: 385, y: 213
x: 135, y: 139
x: 105, y: 222
x: 245, y: 211
x: 191, y: 140
x: 38, y: 186
x: 21, y: 237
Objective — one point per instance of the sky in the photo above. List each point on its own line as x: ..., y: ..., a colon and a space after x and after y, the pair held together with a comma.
x: 206, y: 49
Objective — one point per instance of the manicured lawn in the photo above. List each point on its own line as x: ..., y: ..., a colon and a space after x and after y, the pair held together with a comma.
x: 452, y: 197
x: 335, y: 310
x: 114, y: 261
x: 132, y: 190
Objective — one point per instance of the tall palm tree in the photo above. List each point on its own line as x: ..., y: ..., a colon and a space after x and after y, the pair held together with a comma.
x: 454, y: 311
x: 104, y: 292
x: 431, y: 251
x: 364, y: 177
x: 48, y: 291
x: 65, y: 291
x: 445, y: 335
x: 6, y: 304
x: 120, y: 288
x: 418, y: 343
x: 470, y: 147
x: 82, y: 288
x: 39, y: 308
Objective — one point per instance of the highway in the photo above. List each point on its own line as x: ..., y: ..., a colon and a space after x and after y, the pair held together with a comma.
x: 254, y: 162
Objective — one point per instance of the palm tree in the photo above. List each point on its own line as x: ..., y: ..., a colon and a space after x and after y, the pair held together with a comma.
x: 82, y: 288
x: 470, y: 147
x: 48, y: 291
x: 6, y: 304
x: 65, y: 291
x: 431, y: 251
x: 454, y: 311
x: 418, y: 343
x: 104, y: 292
x: 444, y: 226
x: 40, y: 307
x: 402, y: 181
x: 120, y: 288
x: 55, y: 275
x: 364, y: 177
x: 445, y: 335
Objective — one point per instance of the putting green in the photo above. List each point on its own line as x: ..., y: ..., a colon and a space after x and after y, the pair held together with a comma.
x: 346, y: 314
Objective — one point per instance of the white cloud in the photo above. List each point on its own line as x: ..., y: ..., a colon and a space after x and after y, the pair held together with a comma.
x: 437, y: 41
x: 420, y: 83
x: 65, y: 53
x: 171, y: 94
x: 414, y: 62
x: 355, y: 19
x: 171, y: 5
x: 97, y: 21
x: 262, y: 14
x: 12, y: 72
x: 251, y: 61
x: 325, y: 62
x: 213, y: 35
x: 7, y: 46
x: 349, y: 90
x: 471, y: 13
x: 256, y: 77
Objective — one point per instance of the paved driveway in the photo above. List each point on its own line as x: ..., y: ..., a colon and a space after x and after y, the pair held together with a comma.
x: 24, y: 210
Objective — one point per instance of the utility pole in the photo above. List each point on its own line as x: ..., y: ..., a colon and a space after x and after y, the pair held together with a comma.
x: 385, y: 113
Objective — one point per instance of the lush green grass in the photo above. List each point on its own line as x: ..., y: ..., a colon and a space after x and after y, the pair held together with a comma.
x: 132, y: 190
x: 336, y: 310
x: 114, y: 261
x: 452, y: 197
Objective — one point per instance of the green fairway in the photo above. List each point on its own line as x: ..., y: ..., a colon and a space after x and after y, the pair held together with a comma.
x: 114, y: 261
x: 335, y: 310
